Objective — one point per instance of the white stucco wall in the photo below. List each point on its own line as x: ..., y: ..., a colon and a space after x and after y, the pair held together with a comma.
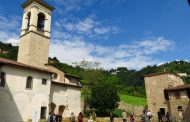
x: 74, y: 101
x: 69, y: 96
x: 16, y: 102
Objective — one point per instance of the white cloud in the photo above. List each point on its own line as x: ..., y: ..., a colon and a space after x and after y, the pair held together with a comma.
x: 9, y: 29
x: 160, y: 44
x: 66, y: 6
x: 150, y: 46
x: 13, y: 41
x: 133, y: 56
x: 87, y: 27
x: 9, y: 23
x: 74, y: 48
x: 101, y: 30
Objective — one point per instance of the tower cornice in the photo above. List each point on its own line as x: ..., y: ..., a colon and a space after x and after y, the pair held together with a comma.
x: 41, y: 2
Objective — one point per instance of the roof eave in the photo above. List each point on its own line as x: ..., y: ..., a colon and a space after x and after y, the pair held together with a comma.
x: 161, y: 73
x: 41, y: 2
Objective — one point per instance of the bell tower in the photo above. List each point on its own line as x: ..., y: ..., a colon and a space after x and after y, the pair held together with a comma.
x: 35, y: 33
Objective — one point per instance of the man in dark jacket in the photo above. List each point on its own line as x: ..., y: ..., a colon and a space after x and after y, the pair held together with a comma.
x: 159, y: 116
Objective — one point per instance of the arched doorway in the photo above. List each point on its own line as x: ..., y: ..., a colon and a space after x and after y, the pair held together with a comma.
x: 52, y: 108
x: 61, y: 109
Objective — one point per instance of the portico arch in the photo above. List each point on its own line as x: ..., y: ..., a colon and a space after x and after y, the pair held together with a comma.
x: 52, y: 107
x: 61, y: 109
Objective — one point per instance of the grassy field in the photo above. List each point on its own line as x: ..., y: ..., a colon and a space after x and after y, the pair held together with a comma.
x: 132, y: 100
x: 117, y: 112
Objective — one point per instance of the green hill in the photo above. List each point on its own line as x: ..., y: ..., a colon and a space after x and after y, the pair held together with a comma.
x: 8, y: 51
x: 126, y: 81
x: 132, y: 100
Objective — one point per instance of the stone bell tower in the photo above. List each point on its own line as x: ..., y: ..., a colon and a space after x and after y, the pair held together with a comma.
x: 35, y: 33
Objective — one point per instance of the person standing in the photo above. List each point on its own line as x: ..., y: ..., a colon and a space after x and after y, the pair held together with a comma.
x: 94, y: 116
x: 80, y: 117
x: 90, y: 118
x: 111, y: 117
x: 50, y: 117
x: 124, y: 116
x: 143, y: 116
x: 131, y: 117
x: 168, y: 117
x: 159, y: 116
x: 149, y: 115
x: 72, y: 118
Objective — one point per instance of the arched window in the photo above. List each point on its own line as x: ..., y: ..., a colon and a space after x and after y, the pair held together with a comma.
x: 2, y: 79
x: 29, y: 83
x: 28, y: 20
x: 55, y: 76
x: 41, y: 22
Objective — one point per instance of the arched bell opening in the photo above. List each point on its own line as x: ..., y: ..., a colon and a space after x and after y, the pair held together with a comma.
x: 41, y: 22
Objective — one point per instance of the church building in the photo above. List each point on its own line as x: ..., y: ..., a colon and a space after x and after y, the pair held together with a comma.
x: 30, y: 88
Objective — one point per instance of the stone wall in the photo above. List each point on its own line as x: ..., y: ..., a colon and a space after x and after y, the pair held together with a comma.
x: 155, y: 85
x: 137, y: 110
x: 183, y: 101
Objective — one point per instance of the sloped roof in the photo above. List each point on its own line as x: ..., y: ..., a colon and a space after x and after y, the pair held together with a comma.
x: 161, y: 73
x: 179, y: 87
x: 66, y: 74
x: 41, y: 2
x: 74, y: 76
x: 15, y: 63
x: 67, y: 84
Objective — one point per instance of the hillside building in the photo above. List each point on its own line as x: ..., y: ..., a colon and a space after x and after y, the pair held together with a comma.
x: 166, y: 92
x: 179, y: 101
x: 30, y: 89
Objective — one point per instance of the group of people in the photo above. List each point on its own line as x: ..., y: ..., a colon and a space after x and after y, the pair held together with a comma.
x: 54, y: 118
x: 161, y: 116
x: 146, y: 116
x: 92, y: 117
x: 131, y: 117
x: 58, y: 118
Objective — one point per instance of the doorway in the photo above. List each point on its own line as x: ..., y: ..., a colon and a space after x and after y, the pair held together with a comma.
x: 43, y: 113
x: 162, y: 111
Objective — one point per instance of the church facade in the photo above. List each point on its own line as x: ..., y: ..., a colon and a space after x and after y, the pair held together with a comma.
x: 30, y: 89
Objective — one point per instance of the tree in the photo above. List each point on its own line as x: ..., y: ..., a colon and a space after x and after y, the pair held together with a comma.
x: 104, y: 97
x: 85, y: 94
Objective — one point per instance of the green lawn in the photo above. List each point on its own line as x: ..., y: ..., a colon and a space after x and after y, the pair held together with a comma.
x: 117, y: 112
x: 132, y: 100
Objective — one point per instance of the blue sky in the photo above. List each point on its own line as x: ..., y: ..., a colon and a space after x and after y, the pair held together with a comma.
x: 129, y: 33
